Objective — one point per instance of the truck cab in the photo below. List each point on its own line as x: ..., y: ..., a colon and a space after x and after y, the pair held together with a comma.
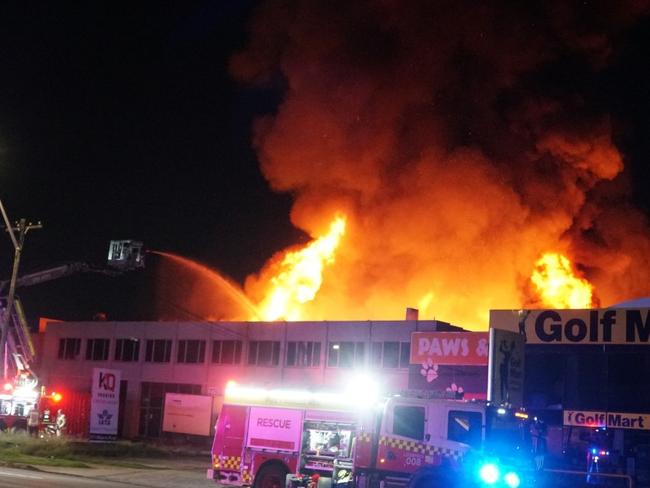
x: 421, y: 443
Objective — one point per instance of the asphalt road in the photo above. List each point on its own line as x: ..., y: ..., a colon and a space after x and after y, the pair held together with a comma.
x: 10, y: 477
x: 186, y: 473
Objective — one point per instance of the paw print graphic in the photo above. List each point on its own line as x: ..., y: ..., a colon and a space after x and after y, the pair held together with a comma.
x: 458, y: 391
x: 429, y: 370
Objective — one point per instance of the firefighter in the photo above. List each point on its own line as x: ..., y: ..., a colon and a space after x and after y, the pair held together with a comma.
x: 61, y: 423
x: 334, y: 443
x: 541, y: 431
x: 32, y: 422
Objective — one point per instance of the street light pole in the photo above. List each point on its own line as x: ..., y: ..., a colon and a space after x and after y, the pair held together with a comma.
x: 21, y: 227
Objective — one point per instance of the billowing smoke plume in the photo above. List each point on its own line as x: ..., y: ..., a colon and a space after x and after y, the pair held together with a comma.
x: 461, y: 140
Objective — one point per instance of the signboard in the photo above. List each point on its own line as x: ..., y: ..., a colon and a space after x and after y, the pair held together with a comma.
x: 104, y: 404
x: 187, y: 414
x: 610, y: 420
x: 274, y: 428
x: 506, y: 369
x: 454, y: 348
x: 629, y: 326
x: 468, y: 382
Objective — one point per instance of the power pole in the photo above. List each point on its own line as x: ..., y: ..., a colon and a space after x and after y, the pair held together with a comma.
x: 21, y: 227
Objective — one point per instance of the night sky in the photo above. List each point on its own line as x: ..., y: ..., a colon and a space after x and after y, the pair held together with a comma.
x: 121, y: 120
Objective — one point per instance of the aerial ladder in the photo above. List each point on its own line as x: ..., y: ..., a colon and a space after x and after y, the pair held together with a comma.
x: 19, y: 392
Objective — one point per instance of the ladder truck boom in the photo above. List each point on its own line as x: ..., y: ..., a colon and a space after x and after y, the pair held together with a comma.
x: 20, y: 394
x: 123, y: 256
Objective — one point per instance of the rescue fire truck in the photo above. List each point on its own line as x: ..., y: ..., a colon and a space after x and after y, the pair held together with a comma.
x: 20, y: 392
x: 273, y: 438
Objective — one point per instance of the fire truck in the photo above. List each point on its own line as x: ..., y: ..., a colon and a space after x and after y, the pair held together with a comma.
x: 20, y: 391
x: 277, y: 438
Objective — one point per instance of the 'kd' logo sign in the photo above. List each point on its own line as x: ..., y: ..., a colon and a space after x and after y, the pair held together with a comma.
x: 107, y: 381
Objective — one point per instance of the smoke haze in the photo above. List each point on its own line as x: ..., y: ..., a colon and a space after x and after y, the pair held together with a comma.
x: 462, y: 141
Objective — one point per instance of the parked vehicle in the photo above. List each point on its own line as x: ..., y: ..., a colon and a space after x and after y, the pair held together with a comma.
x: 269, y: 439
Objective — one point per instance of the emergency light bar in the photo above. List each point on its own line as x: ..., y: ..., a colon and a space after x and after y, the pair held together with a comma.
x: 280, y: 397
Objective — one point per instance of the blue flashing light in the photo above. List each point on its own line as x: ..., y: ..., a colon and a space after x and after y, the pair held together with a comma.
x: 594, y: 451
x: 489, y: 473
x: 512, y: 480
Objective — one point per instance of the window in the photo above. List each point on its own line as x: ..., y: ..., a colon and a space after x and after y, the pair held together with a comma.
x: 127, y: 350
x: 404, y: 355
x: 465, y: 427
x: 390, y: 355
x: 97, y: 349
x: 191, y: 351
x: 158, y: 351
x: 264, y: 353
x: 346, y: 354
x: 69, y: 347
x: 303, y: 354
x: 375, y: 354
x: 408, y: 421
x: 226, y: 352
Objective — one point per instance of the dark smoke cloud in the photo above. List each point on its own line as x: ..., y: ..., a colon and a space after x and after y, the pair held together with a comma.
x: 462, y: 139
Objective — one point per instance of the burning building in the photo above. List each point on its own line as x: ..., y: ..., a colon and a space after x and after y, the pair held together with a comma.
x: 455, y: 157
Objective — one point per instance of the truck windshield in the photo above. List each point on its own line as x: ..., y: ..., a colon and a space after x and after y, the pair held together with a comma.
x: 507, y: 435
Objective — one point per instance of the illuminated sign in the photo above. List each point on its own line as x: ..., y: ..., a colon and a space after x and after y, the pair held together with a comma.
x: 596, y: 326
x: 105, y: 404
x: 611, y: 420
x: 450, y: 348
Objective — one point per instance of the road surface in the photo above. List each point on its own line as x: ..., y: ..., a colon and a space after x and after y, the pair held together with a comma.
x: 10, y: 477
x: 119, y: 478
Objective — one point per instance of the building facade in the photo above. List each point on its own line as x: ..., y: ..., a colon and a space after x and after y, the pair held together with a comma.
x: 586, y: 374
x: 201, y: 357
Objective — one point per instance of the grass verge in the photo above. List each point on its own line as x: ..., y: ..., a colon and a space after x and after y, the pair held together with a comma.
x: 22, y: 449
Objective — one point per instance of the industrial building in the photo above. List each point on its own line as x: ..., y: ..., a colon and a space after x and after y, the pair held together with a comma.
x: 201, y: 357
x: 586, y: 374
x: 575, y: 361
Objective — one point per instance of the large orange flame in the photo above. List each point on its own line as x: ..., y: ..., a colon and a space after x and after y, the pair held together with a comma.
x: 557, y: 284
x: 301, y: 275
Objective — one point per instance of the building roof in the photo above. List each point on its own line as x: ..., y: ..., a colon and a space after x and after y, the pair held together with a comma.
x: 636, y: 303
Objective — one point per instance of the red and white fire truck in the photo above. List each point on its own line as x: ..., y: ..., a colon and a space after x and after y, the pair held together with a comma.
x: 20, y: 392
x: 263, y: 435
x: 273, y: 438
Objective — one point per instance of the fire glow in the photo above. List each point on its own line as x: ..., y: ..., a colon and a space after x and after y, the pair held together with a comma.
x: 557, y: 285
x: 300, y: 275
x: 456, y: 159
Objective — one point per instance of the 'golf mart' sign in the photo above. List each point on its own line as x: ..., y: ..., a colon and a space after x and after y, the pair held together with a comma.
x: 629, y: 326
x: 611, y: 420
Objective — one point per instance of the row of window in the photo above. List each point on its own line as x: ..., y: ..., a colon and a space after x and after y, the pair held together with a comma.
x: 391, y: 355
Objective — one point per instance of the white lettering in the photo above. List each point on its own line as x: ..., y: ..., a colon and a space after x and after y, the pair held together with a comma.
x: 435, y: 347
x: 450, y: 346
x: 423, y: 345
x: 413, y: 461
x: 274, y: 423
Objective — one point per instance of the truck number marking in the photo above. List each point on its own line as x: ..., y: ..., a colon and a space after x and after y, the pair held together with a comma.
x: 413, y: 461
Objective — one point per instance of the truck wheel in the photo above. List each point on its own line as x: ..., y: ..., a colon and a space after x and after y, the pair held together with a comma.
x: 437, y: 480
x: 272, y: 476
